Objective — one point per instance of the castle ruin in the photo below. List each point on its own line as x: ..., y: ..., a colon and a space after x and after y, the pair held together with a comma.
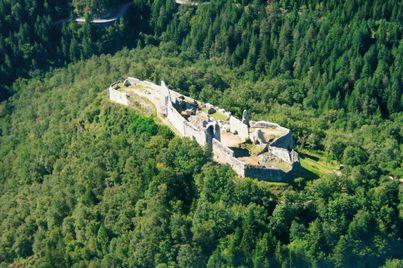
x: 255, y: 149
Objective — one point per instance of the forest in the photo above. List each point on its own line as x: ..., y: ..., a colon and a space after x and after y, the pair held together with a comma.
x: 86, y: 183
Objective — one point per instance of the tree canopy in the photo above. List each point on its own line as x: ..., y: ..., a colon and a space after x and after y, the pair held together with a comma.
x: 86, y: 183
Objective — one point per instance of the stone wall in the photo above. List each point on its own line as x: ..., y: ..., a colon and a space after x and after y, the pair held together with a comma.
x: 118, y: 97
x: 237, y: 125
x: 263, y: 173
x: 176, y: 120
x: 152, y: 85
x: 265, y: 124
x: 192, y: 132
x: 281, y: 153
x: 184, y: 128
x: 286, y: 141
x: 131, y: 81
x: 222, y: 154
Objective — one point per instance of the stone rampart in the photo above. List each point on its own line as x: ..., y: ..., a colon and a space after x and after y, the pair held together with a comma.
x: 286, y: 141
x: 176, y: 120
x: 131, y: 81
x: 264, y: 173
x: 192, y: 132
x: 236, y: 125
x: 265, y: 124
x: 281, y: 153
x: 152, y: 85
x: 222, y: 154
x: 118, y: 97
x: 184, y: 128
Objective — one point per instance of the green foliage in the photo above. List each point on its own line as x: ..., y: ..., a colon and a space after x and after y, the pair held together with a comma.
x: 93, y: 7
x: 142, y: 124
x: 84, y: 182
x: 88, y: 183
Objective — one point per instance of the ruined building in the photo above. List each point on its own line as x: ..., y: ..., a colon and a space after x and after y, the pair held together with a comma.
x: 256, y: 149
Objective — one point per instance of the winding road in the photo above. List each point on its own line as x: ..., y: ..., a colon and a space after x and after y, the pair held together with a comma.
x: 186, y: 2
x: 121, y: 12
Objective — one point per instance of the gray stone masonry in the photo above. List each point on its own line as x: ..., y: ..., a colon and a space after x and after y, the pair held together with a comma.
x: 209, y: 132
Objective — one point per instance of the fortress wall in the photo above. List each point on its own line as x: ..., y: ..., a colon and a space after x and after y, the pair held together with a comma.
x: 222, y: 147
x: 268, y: 174
x: 152, y: 85
x: 118, y: 97
x: 281, y: 153
x: 192, y: 132
x: 130, y: 81
x: 224, y: 155
x: 237, y: 125
x: 185, y: 128
x: 286, y: 141
x: 265, y: 124
x: 133, y: 80
x: 177, y: 121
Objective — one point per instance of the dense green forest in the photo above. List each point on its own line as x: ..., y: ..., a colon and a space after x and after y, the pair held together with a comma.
x: 346, y: 54
x: 34, y: 37
x: 95, y: 7
x: 84, y: 182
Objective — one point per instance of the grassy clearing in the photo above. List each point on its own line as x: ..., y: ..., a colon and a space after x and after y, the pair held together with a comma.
x: 252, y: 148
x: 216, y: 115
x: 142, y: 106
x: 281, y: 165
x: 317, y: 163
x: 219, y: 116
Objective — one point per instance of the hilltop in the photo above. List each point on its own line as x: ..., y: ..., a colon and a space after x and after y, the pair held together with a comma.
x: 87, y: 183
x: 81, y: 178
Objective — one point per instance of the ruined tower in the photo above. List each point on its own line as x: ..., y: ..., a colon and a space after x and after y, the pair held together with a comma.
x: 245, y: 118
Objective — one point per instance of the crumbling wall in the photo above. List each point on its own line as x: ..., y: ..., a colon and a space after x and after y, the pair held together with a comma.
x: 264, y: 173
x: 152, y: 85
x: 184, y: 128
x: 118, y: 97
x: 224, y: 155
x: 236, y: 125
x: 176, y: 120
x: 192, y: 132
x: 286, y: 141
x: 265, y: 124
x: 130, y: 81
x: 281, y: 153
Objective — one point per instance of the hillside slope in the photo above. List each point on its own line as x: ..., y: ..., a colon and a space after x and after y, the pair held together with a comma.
x: 84, y: 182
